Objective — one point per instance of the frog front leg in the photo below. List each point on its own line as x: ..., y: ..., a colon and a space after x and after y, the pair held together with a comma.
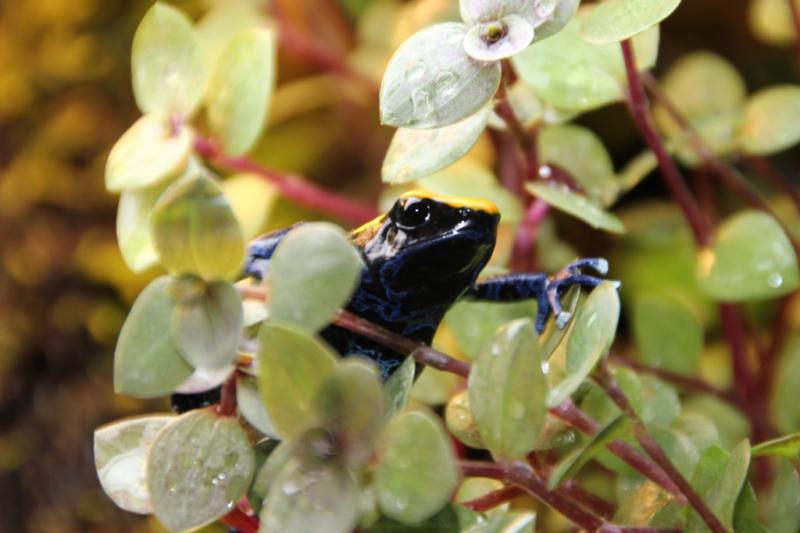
x: 546, y: 290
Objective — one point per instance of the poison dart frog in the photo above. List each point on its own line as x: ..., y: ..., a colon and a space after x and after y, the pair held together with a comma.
x: 422, y: 257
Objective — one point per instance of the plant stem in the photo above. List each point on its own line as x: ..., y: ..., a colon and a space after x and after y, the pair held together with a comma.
x: 611, y: 387
x: 290, y: 186
x: 639, y: 108
x: 522, y: 254
x: 227, y: 398
x: 493, y: 499
x: 733, y: 326
x: 237, y: 519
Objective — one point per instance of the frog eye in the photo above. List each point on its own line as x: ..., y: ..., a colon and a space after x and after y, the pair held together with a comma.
x: 414, y: 213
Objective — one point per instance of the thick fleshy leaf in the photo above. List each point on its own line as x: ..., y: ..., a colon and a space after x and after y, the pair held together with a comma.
x: 198, y: 468
x: 416, y: 153
x: 574, y: 75
x: 251, y: 407
x: 350, y: 407
x: 312, y: 274
x: 782, y: 503
x: 148, y: 153
x: 788, y: 447
x: 580, y: 152
x: 252, y: 199
x: 207, y: 327
x: 771, y: 120
x: 592, y: 333
x: 668, y: 335
x: 613, y: 21
x: 240, y: 90
x: 751, y: 258
x: 498, y: 39
x: 293, y: 365
x: 563, y: 13
x: 168, y: 72
x: 120, y: 451
x: 147, y: 364
x: 507, y: 391
x: 579, y: 206
x: 311, y: 496
x: 474, y: 323
x: 412, y: 487
x: 204, y: 379
x: 461, y: 423
x: 133, y: 227
x: 397, y: 389
x: 534, y: 12
x: 196, y: 232
x: 222, y: 23
x: 445, y: 521
x: 432, y: 82
x: 571, y: 464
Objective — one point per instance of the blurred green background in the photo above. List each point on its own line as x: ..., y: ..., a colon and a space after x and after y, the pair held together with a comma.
x: 65, y: 98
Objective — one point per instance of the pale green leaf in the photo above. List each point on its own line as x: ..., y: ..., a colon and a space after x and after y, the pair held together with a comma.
x: 252, y: 199
x: 251, y: 407
x: 461, y: 423
x: 782, y: 502
x: 222, y: 23
x: 498, y: 39
x: 133, y: 227
x: 771, y: 120
x: 474, y: 323
x: 397, y: 389
x: 668, y: 335
x: 788, y: 447
x: 613, y: 21
x: 579, y: 206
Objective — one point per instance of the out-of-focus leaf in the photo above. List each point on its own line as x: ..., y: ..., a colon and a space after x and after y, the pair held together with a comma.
x: 148, y: 153
x: 251, y: 407
x: 196, y: 232
x: 120, y: 451
x: 563, y: 13
x: 788, y: 447
x: 679, y: 449
x: 206, y: 328
x: 224, y: 22
x: 699, y: 428
x: 416, y: 153
x: 498, y: 39
x: 198, y: 468
x: 771, y: 21
x: 413, y: 487
x: 293, y: 365
x: 147, y: 364
x: 731, y: 425
x: 350, y: 407
x: 667, y: 334
x: 432, y: 82
x: 576, y: 205
x: 771, y: 120
x: 640, y: 500
x: 507, y: 391
x: 272, y: 467
x: 784, y: 406
x: 133, y: 227
x: 751, y: 258
x: 168, y: 72
x: 782, y: 503
x: 204, y: 379
x: 252, y: 199
x: 240, y: 89
x: 309, y: 292
x: 445, y: 521
x: 616, y: 20
x: 311, y: 496
x: 461, y: 423
x: 397, y: 389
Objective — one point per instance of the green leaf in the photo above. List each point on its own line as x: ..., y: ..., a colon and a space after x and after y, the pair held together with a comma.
x: 667, y: 334
x: 576, y: 205
x: 514, y: 32
x: 782, y: 503
x: 445, y: 521
x: 507, y: 391
x: 223, y: 22
x: 350, y: 407
x: 167, y: 66
x: 574, y: 75
x: 198, y: 468
x: 293, y: 365
x: 432, y: 82
x: 679, y: 450
x: 771, y: 21
x: 150, y: 152
x: 397, y: 389
x: 581, y: 153
x: 784, y: 406
x: 276, y: 462
x: 312, y: 274
x: 771, y: 120
x: 788, y: 447
x: 133, y: 227
x: 240, y: 90
x: 120, y: 451
x: 751, y: 258
x: 147, y: 364
x: 196, y: 232
x: 252, y: 199
x: 207, y: 328
x: 745, y: 515
x: 593, y: 331
x: 613, y: 21
x: 460, y: 421
x: 416, y: 472
x: 251, y: 407
x: 311, y: 497
x: 474, y: 323
x: 416, y: 153
x: 568, y: 467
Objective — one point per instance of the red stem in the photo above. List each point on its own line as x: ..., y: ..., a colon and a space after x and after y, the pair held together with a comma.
x: 493, y: 499
x: 733, y: 326
x: 291, y: 186
x: 227, y: 399
x: 241, y: 521
x: 522, y: 255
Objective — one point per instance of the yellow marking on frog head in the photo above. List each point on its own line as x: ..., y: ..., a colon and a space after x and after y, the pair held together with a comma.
x: 476, y: 204
x: 365, y: 232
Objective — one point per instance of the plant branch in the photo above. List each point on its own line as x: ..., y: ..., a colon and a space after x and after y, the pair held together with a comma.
x: 494, y: 499
x: 227, y: 399
x: 290, y: 186
x: 525, y: 242
x: 611, y: 387
x: 733, y: 326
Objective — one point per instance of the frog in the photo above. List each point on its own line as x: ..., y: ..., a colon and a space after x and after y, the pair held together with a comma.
x: 422, y: 257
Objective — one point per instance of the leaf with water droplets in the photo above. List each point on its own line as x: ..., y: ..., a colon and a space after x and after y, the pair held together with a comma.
x: 579, y: 206
x: 198, y: 468
x: 311, y: 496
x: 751, y: 258
x: 309, y: 292
x: 397, y: 389
x: 533, y: 12
x: 416, y: 153
x: 613, y: 21
x: 431, y: 81
x: 589, y: 340
x: 461, y: 423
x: 771, y: 120
x: 120, y: 450
x: 167, y: 64
x: 498, y: 39
x: 416, y: 471
x: 293, y: 365
x: 507, y: 391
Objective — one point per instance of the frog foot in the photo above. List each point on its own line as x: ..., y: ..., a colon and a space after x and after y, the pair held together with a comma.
x: 550, y: 299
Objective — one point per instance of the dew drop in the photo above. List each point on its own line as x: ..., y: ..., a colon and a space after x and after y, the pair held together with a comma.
x: 545, y: 171
x: 775, y: 280
x: 446, y: 84
x: 421, y: 100
x: 416, y: 72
